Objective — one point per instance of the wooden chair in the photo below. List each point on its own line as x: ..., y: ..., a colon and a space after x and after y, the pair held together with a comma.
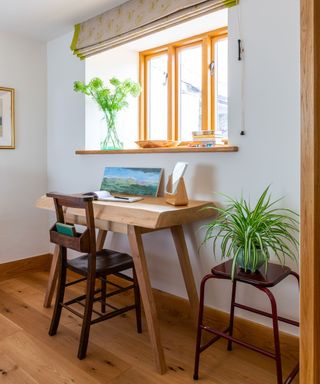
x: 93, y: 265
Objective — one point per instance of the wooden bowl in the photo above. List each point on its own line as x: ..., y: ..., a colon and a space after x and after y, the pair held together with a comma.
x: 157, y: 143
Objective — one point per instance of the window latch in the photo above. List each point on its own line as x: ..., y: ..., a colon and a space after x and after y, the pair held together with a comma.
x: 240, y: 50
x: 212, y: 67
x: 165, y: 81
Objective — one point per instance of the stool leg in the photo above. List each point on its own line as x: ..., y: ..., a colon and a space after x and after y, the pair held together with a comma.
x: 296, y: 275
x: 60, y: 292
x: 231, y: 322
x: 199, y: 330
x: 137, y: 301
x: 275, y: 334
x: 103, y: 294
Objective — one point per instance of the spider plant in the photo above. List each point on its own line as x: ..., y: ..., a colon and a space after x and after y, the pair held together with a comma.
x: 250, y: 235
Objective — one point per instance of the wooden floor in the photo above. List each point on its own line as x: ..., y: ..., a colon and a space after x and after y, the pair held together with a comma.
x: 116, y: 354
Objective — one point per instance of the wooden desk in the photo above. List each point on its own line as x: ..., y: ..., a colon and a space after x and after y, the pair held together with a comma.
x: 134, y: 219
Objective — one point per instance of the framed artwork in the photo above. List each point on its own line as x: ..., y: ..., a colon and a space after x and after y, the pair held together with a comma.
x: 132, y: 181
x: 7, y: 129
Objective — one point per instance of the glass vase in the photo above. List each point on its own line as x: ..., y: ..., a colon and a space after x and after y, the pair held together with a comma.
x: 252, y: 265
x: 111, y: 141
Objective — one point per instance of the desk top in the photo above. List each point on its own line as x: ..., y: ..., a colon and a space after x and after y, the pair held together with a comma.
x: 151, y: 212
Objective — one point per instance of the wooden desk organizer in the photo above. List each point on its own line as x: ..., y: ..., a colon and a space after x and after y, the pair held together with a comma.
x: 80, y: 242
x: 178, y: 198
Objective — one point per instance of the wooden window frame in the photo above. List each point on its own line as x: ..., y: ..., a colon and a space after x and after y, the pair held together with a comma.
x: 207, y: 41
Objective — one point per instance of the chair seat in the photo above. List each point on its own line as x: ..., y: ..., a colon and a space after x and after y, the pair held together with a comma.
x: 107, y: 262
x: 275, y: 273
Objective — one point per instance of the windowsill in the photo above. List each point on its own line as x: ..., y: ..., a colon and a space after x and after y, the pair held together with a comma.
x: 221, y: 148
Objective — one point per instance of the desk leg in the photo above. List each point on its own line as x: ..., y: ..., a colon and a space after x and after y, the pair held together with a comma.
x: 182, y: 250
x: 101, y: 239
x: 53, y: 275
x: 150, y: 311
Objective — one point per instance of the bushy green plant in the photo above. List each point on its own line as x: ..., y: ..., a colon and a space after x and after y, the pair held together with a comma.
x: 251, y: 233
x: 111, y: 99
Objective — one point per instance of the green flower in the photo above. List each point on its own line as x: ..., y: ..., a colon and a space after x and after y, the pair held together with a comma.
x: 96, y: 83
x: 78, y: 86
x: 109, y: 99
x: 115, y: 82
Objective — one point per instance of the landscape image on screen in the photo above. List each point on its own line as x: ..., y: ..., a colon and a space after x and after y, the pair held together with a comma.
x: 132, y: 181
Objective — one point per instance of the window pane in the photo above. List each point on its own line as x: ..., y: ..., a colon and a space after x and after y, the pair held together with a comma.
x: 221, y: 71
x: 158, y: 97
x: 190, y: 88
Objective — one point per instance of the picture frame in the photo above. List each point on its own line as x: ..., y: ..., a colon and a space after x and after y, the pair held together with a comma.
x: 7, y: 118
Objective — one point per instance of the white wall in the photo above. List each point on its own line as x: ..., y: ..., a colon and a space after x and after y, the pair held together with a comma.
x: 269, y: 152
x: 23, y: 171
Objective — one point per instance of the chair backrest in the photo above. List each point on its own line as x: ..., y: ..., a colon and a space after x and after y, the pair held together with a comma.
x: 82, y: 242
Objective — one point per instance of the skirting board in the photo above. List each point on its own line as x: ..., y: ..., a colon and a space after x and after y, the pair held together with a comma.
x: 31, y: 264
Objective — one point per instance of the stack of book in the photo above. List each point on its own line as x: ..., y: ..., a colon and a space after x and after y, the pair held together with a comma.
x: 206, y: 139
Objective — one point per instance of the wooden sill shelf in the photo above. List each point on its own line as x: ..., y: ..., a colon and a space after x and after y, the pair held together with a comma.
x: 222, y: 148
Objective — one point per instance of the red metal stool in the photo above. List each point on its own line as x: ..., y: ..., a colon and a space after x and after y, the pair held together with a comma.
x: 275, y: 274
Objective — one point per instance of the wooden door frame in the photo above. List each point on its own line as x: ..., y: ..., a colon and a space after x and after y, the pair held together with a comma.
x: 310, y: 193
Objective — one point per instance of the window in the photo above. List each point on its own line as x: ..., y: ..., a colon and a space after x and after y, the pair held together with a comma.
x: 185, y: 87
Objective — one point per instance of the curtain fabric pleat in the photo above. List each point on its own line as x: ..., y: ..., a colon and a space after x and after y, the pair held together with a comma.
x: 135, y: 19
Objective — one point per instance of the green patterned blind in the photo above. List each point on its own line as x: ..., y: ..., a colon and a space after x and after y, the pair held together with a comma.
x: 135, y: 19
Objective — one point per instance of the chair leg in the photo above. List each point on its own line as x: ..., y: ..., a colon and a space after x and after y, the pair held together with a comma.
x: 103, y: 294
x: 60, y: 292
x: 199, y: 329
x: 137, y: 301
x: 84, y: 338
x: 275, y: 333
x: 231, y: 322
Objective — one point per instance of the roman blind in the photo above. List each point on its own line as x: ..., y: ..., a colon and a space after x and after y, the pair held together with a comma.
x: 135, y: 19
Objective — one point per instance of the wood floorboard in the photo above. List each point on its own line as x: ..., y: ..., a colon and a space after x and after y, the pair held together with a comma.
x: 12, y: 373
x: 116, y: 353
